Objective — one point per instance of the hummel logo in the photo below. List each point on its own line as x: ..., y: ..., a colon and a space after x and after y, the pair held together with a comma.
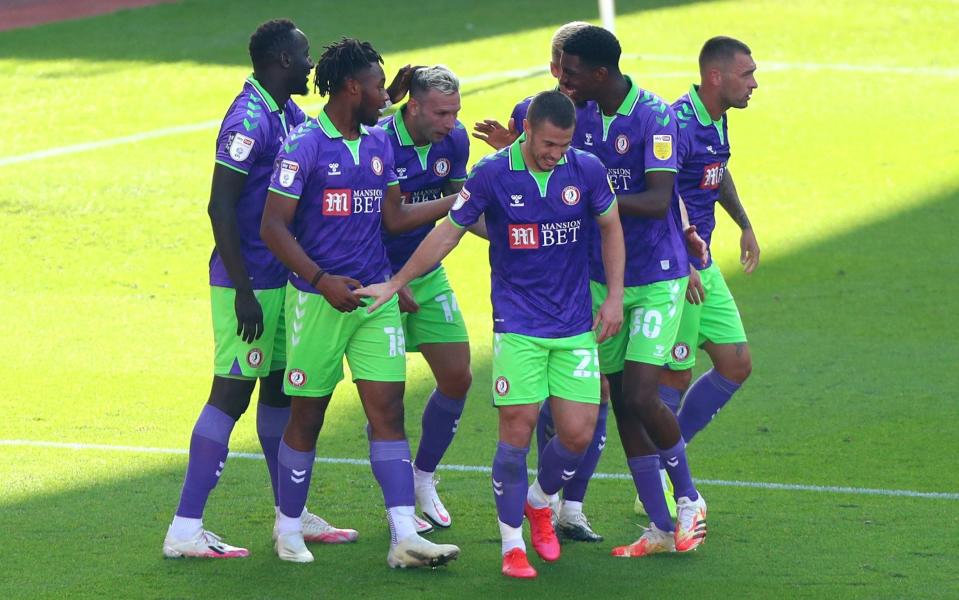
x: 589, y: 139
x: 401, y: 173
x: 710, y: 150
x: 456, y: 424
x: 298, y: 476
x: 516, y: 200
x: 673, y: 462
x: 334, y: 169
x: 567, y: 475
x: 498, y: 487
x: 220, y: 470
x: 602, y: 442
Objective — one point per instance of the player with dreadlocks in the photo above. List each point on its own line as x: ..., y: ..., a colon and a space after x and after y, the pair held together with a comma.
x: 333, y: 184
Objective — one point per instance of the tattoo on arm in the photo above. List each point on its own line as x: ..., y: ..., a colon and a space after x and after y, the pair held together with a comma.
x: 729, y: 199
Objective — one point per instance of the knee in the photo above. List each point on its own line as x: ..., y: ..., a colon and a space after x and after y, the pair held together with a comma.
x: 578, y: 441
x: 737, y: 371
x: 232, y: 396
x: 388, y: 423
x: 678, y: 380
x: 457, y: 384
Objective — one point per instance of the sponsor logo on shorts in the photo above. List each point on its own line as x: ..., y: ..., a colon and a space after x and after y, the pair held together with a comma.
x: 681, y: 351
x: 571, y: 195
x: 461, y: 199
x: 297, y: 378
x: 662, y: 146
x: 288, y: 170
x: 254, y: 357
x: 622, y: 143
x: 239, y: 146
x: 377, y: 165
x: 712, y: 176
x: 501, y: 386
x: 337, y: 202
x: 523, y: 236
x: 442, y: 167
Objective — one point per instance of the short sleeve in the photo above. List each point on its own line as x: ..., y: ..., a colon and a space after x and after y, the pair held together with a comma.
x: 290, y: 172
x: 389, y: 162
x: 660, y: 141
x: 683, y: 146
x: 241, y: 140
x: 472, y: 200
x: 519, y: 113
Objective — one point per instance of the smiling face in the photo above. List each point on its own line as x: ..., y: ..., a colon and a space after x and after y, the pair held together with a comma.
x: 578, y: 79
x: 546, y: 144
x: 371, y: 94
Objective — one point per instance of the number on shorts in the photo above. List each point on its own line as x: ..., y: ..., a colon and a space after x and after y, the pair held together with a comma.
x: 397, y: 340
x: 449, y: 305
x: 587, y: 359
x: 648, y: 321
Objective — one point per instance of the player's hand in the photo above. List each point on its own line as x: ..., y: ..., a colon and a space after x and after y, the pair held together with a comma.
x: 609, y: 319
x: 407, y: 303
x: 494, y: 134
x: 695, y: 292
x: 339, y: 292
x: 696, y: 245
x: 380, y: 292
x: 748, y: 250
x: 401, y: 83
x: 249, y: 316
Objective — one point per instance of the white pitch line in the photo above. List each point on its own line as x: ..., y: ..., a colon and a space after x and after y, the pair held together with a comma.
x: 795, y: 487
x: 810, y: 66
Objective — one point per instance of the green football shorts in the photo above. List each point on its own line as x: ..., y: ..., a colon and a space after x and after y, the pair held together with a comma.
x: 319, y: 336
x: 439, y: 319
x: 233, y: 357
x: 651, y: 315
x: 716, y: 320
x: 528, y: 369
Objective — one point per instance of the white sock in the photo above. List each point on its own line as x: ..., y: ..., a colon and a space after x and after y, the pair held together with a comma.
x: 184, y: 528
x: 512, y: 537
x: 536, y: 497
x: 570, y: 509
x: 401, y: 523
x: 285, y: 524
x: 422, y: 478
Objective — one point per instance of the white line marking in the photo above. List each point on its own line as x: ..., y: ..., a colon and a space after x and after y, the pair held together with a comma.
x: 796, y: 487
x: 493, y: 76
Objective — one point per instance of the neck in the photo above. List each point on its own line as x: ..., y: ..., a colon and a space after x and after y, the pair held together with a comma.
x: 711, y: 100
x: 273, y: 84
x: 528, y: 157
x: 614, y: 94
x: 343, y: 118
x: 418, y: 138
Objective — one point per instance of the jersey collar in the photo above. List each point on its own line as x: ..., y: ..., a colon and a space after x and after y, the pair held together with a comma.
x: 629, y: 102
x: 702, y: 115
x: 516, y: 161
x: 330, y: 129
x: 402, y: 133
x: 262, y: 93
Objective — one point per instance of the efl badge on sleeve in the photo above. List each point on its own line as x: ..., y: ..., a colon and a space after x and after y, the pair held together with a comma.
x: 240, y: 146
x: 288, y: 170
x: 662, y: 146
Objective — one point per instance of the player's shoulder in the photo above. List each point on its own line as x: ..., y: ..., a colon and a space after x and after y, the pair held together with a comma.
x: 246, y: 114
x: 459, y: 135
x: 522, y: 106
x: 685, y: 111
x: 584, y: 159
x: 491, y: 163
x: 651, y: 106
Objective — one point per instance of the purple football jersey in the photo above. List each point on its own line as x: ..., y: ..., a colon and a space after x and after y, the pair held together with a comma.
x: 639, y: 138
x: 340, y: 186
x: 422, y: 172
x: 537, y: 243
x: 702, y: 154
x: 250, y: 137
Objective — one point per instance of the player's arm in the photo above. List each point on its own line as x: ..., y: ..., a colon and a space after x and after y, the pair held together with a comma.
x: 224, y: 194
x: 609, y: 318
x: 748, y: 245
x: 453, y: 186
x: 653, y: 202
x: 400, y: 218
x: 275, y: 231
x: 431, y: 250
x: 695, y: 245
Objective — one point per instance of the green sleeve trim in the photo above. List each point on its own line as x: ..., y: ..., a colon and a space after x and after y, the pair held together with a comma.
x: 276, y: 191
x: 392, y: 183
x: 453, y: 221
x: 609, y: 208
x: 229, y: 166
x: 662, y: 169
x: 458, y: 179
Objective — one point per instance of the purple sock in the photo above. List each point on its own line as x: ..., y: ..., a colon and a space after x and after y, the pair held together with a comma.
x: 705, y: 397
x: 294, y: 470
x: 270, y: 423
x: 674, y: 461
x: 510, y: 483
x: 391, y: 466
x: 440, y: 419
x: 575, y: 489
x: 545, y: 430
x: 671, y: 397
x: 208, y: 450
x: 649, y: 486
x: 557, y: 466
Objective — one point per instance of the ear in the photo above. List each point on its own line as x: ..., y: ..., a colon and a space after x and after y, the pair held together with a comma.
x: 714, y: 76
x: 600, y: 74
x: 352, y: 86
x: 285, y: 59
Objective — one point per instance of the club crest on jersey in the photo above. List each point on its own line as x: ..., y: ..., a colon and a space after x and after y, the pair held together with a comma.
x: 662, y: 146
x: 239, y: 146
x: 337, y: 202
x: 461, y: 199
x: 442, y: 167
x: 571, y: 195
x: 297, y: 378
x: 622, y: 143
x: 680, y: 351
x: 288, y: 170
x: 377, y: 165
x: 501, y: 386
x: 254, y: 357
x: 523, y: 236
